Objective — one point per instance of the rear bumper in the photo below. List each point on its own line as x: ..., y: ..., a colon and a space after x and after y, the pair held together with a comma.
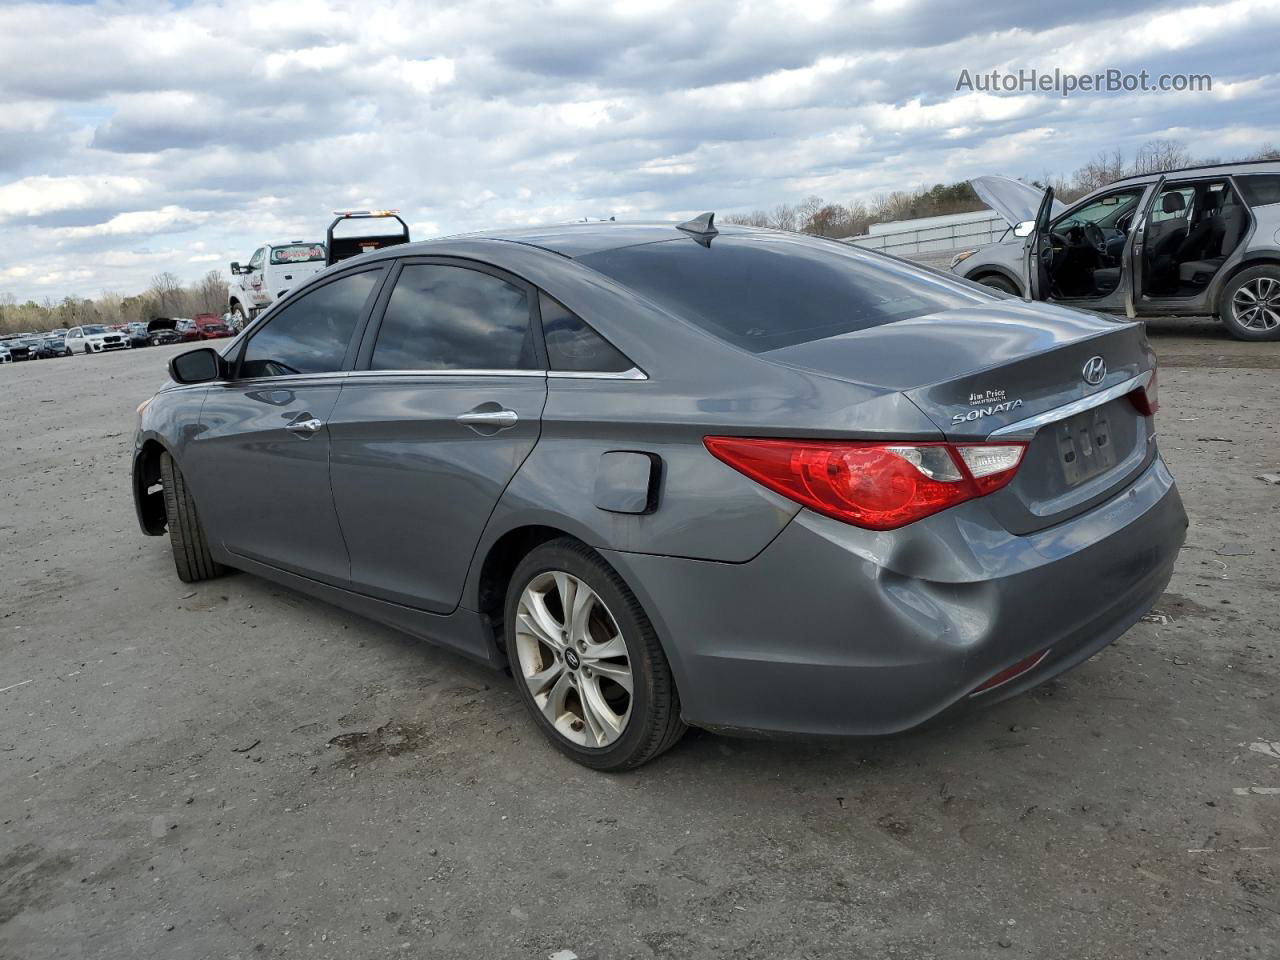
x: 833, y: 630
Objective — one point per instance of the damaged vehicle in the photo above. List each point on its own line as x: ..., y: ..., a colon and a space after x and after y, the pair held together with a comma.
x: 1203, y: 241
x: 677, y: 475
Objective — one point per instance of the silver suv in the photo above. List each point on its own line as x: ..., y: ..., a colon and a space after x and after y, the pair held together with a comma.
x: 1203, y: 241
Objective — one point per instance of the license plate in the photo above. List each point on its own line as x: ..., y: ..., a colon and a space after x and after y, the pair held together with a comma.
x: 1084, y: 446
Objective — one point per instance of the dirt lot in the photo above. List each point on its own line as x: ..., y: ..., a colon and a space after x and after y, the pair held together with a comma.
x: 232, y: 770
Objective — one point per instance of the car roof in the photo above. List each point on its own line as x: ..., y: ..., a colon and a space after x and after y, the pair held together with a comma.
x: 1219, y: 169
x: 574, y: 240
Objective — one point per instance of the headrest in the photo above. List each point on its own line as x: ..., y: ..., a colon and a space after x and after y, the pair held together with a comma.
x: 1173, y: 202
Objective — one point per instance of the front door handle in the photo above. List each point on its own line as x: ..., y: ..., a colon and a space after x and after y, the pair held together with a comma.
x: 305, y: 427
x: 501, y: 419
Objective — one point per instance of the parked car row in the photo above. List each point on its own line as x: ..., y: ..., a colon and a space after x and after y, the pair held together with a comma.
x: 100, y: 338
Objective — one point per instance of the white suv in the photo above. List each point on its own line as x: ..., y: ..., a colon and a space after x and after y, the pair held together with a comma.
x: 93, y: 338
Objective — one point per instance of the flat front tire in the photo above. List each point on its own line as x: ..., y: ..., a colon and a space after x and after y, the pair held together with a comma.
x: 191, y: 554
x: 586, y: 661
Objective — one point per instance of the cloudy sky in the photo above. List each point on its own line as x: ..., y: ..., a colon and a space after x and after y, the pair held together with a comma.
x: 137, y: 137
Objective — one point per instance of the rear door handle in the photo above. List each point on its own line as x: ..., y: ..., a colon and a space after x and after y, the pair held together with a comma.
x: 305, y: 428
x: 501, y: 419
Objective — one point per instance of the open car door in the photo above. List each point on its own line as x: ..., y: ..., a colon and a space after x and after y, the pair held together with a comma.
x: 340, y: 248
x: 1037, y: 252
x: 1133, y: 258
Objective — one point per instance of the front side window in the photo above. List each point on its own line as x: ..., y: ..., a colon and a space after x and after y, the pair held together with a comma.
x: 256, y: 262
x: 1105, y: 211
x: 311, y: 334
x: 573, y: 346
x: 443, y: 317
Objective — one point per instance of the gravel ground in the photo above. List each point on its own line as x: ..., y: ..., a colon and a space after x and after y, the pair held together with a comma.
x: 232, y: 770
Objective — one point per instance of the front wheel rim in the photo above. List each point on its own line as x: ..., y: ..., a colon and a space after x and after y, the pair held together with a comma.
x: 1256, y: 305
x: 573, y: 659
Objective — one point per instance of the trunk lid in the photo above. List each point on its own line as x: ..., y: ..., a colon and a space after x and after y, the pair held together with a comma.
x: 976, y: 371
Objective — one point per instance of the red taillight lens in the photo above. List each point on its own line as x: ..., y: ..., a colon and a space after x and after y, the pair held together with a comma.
x: 1147, y: 400
x: 879, y: 486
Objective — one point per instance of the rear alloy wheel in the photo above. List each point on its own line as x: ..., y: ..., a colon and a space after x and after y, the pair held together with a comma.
x: 586, y: 660
x: 191, y: 554
x: 1251, y: 309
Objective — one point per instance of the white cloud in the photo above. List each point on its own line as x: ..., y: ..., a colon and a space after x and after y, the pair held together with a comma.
x: 42, y: 194
x: 141, y: 136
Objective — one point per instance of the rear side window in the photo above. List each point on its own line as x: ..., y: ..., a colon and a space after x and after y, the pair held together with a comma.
x: 298, y: 253
x: 765, y: 293
x: 1260, y: 189
x: 311, y: 334
x: 442, y: 317
x: 573, y: 346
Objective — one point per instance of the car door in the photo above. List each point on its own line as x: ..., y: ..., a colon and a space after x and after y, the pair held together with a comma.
x: 74, y: 340
x: 1037, y: 252
x: 259, y: 466
x: 444, y: 406
x: 1134, y: 254
x: 257, y: 278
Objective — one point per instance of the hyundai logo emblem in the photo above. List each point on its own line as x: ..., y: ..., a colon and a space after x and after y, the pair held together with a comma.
x: 1094, y: 370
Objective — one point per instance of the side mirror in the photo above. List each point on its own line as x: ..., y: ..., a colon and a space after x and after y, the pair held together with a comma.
x: 236, y: 269
x: 1024, y: 228
x: 197, y: 366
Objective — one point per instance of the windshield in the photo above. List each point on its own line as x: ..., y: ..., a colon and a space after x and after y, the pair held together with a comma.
x: 298, y: 253
x: 94, y: 328
x: 768, y: 292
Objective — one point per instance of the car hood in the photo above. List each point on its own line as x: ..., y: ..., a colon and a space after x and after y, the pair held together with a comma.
x: 1012, y: 199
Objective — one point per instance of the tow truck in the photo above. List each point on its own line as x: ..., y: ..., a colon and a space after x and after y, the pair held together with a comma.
x: 340, y: 248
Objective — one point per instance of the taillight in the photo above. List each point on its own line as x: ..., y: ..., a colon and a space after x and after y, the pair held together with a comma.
x: 879, y: 486
x: 1147, y: 400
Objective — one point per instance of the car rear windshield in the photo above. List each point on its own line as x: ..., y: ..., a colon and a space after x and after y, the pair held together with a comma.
x: 298, y: 253
x: 763, y: 293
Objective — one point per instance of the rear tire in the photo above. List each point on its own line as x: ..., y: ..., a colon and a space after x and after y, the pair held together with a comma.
x: 191, y: 554
x: 997, y: 282
x: 650, y: 720
x: 1250, y: 304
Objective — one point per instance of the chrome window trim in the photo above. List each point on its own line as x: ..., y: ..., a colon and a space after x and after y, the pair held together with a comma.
x: 634, y: 373
x: 1026, y: 429
x: 283, y: 378
x: 448, y: 373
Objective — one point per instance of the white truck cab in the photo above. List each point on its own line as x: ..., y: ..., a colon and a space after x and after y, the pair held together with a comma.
x: 273, y: 270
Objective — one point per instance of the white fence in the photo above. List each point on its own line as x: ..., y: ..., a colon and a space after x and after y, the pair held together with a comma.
x: 935, y: 239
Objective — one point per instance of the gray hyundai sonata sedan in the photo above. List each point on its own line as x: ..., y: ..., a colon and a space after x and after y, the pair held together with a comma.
x: 671, y: 475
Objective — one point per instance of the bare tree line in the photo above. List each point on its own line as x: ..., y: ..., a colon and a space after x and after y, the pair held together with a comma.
x: 817, y: 216
x: 165, y: 297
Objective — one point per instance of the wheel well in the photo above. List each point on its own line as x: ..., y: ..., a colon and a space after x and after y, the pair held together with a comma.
x: 499, y: 564
x: 983, y: 274
x: 1256, y: 260
x: 146, y: 478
